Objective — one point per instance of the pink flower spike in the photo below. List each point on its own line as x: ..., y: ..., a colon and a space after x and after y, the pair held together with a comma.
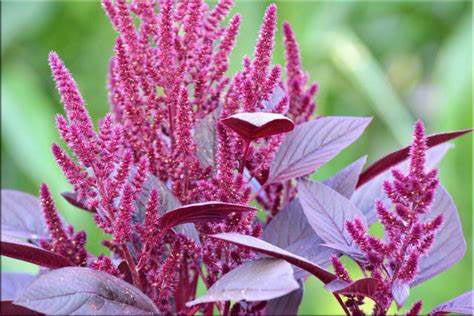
x: 55, y: 226
x: 417, y: 150
x: 415, y: 309
x: 70, y: 96
x: 264, y: 47
x: 339, y: 269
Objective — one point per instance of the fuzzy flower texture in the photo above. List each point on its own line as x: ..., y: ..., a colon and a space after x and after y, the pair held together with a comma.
x: 167, y: 83
x: 393, y: 261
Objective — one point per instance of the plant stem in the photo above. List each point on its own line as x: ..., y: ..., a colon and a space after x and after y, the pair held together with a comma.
x: 344, y: 307
x: 244, y: 158
x: 133, y: 270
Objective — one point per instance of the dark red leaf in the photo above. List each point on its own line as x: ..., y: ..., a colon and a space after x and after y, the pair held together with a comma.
x: 27, y: 252
x: 201, y: 212
x: 367, y: 287
x: 125, y: 270
x: 256, y: 125
x: 394, y: 158
x: 261, y: 246
x: 8, y: 308
x: 71, y: 197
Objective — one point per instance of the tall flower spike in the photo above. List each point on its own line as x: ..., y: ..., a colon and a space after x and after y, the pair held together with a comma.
x: 416, y: 309
x: 70, y: 96
x: 417, y: 151
x: 221, y: 57
x: 123, y: 222
x: 264, y: 48
x: 55, y: 226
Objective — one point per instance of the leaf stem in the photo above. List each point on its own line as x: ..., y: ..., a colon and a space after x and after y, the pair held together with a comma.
x: 344, y: 307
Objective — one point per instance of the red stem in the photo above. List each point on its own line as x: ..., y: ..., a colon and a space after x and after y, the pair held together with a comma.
x: 244, y: 158
x: 133, y: 270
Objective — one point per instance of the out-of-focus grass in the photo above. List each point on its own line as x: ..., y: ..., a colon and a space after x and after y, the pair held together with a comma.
x: 395, y: 61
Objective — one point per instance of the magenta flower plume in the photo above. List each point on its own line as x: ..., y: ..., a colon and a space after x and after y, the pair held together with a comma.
x: 406, y: 237
x: 63, y: 241
x: 70, y: 96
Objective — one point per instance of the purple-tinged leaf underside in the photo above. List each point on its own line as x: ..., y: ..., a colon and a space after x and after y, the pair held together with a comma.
x: 71, y: 198
x: 13, y: 283
x: 28, y: 252
x: 312, y: 144
x: 83, y: 291
x: 364, y: 197
x: 168, y: 201
x: 287, y: 304
x: 264, y: 247
x: 449, y: 245
x: 398, y: 156
x: 201, y: 213
x: 345, y: 180
x: 22, y: 216
x: 8, y: 308
x: 327, y: 212
x: 251, y: 126
x: 275, y: 98
x: 400, y: 292
x: 463, y: 304
x: 290, y: 230
x: 206, y: 139
x: 258, y: 280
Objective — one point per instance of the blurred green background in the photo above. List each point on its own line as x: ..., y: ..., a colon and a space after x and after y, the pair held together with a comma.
x: 395, y: 61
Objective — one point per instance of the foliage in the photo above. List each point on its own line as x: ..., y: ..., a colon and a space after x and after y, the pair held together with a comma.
x: 171, y: 172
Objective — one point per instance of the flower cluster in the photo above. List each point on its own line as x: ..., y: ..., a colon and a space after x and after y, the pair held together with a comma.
x: 167, y: 83
x: 394, y: 260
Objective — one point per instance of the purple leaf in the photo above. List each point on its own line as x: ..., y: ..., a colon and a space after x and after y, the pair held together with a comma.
x: 400, y: 292
x: 449, y: 245
x: 262, y: 246
x: 28, y: 252
x: 350, y: 251
x: 275, y: 98
x: 459, y: 305
x: 364, y: 197
x: 71, y: 197
x: 206, y: 139
x: 344, y: 182
x: 398, y: 156
x: 336, y: 285
x: 312, y: 144
x: 287, y: 304
x: 13, y: 283
x: 258, y: 280
x: 168, y: 201
x: 83, y: 291
x: 251, y: 126
x: 327, y: 212
x: 201, y: 213
x: 290, y: 230
x: 8, y: 308
x: 22, y: 216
